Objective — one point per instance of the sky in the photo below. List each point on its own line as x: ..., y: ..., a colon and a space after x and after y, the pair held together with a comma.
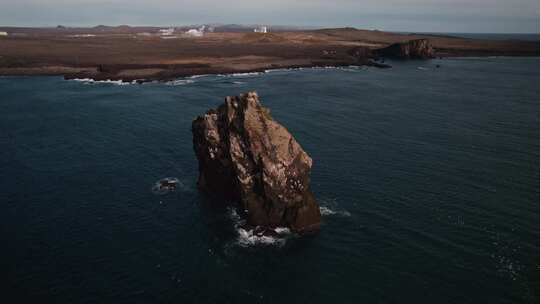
x: 473, y: 16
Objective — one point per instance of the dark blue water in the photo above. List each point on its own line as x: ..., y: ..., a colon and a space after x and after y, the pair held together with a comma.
x: 489, y: 36
x: 497, y: 36
x: 429, y: 181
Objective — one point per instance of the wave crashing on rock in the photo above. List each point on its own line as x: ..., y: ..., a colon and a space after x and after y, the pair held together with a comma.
x: 166, y: 185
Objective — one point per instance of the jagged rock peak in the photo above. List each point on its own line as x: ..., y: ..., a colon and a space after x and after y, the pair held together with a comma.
x: 248, y: 158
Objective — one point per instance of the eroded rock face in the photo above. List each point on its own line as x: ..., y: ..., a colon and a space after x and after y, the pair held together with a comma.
x: 414, y: 49
x: 361, y: 52
x: 245, y: 156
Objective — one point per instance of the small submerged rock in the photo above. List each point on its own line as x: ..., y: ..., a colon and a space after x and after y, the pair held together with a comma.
x: 166, y: 185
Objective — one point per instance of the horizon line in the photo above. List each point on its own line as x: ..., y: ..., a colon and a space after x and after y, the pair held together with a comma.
x: 309, y: 27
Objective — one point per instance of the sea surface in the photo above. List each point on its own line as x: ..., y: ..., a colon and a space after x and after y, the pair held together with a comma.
x: 428, y: 180
x: 522, y: 37
x: 489, y: 36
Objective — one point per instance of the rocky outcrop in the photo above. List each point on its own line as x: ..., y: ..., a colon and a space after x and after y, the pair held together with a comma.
x: 360, y: 52
x: 247, y: 157
x: 365, y: 56
x: 413, y: 49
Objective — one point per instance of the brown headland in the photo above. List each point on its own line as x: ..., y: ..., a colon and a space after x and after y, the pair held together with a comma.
x: 141, y: 53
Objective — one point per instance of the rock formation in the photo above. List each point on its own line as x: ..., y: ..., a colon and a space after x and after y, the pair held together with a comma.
x: 246, y: 157
x: 413, y: 49
x: 365, y: 56
x: 360, y: 52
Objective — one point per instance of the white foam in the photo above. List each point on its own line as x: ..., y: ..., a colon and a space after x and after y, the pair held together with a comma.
x: 353, y: 68
x: 160, y: 190
x: 191, y: 79
x: 349, y: 68
x: 325, y: 211
x: 282, y: 230
x: 82, y: 79
x: 248, y: 237
x: 246, y: 74
x: 107, y: 81
x: 199, y: 76
x: 283, y: 70
x: 179, y: 82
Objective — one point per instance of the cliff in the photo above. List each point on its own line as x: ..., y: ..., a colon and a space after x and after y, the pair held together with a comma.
x: 247, y: 157
x: 413, y: 49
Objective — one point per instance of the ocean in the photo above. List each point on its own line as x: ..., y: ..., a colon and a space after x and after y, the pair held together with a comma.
x: 428, y: 180
x: 487, y: 36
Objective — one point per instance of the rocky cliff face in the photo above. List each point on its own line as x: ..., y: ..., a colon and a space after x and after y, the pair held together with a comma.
x: 414, y: 49
x: 245, y: 156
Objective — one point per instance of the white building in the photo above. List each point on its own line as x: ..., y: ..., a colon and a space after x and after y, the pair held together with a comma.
x: 196, y: 32
x: 166, y: 32
x: 3, y: 33
x: 261, y: 29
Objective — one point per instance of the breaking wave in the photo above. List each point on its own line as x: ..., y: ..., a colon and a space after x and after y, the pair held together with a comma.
x: 330, y: 207
x: 167, y: 185
x: 193, y: 78
x: 108, y: 81
x: 283, y: 70
x: 325, y: 211
x: 179, y: 82
x: 246, y: 74
x: 199, y: 76
x: 249, y: 237
x: 349, y: 68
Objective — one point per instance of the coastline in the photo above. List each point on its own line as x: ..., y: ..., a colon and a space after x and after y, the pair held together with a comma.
x: 129, y: 57
x: 84, y: 76
x: 190, y: 78
x: 169, y: 75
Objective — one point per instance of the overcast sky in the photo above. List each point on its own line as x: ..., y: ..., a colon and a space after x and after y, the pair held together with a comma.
x: 487, y: 16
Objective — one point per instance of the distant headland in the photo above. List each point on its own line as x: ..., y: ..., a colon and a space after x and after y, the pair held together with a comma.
x: 162, y: 53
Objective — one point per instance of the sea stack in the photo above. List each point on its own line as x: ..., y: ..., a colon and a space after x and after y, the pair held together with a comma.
x: 413, y: 49
x: 247, y: 158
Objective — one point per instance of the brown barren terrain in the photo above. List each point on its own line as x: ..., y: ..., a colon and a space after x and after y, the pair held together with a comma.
x: 140, y: 53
